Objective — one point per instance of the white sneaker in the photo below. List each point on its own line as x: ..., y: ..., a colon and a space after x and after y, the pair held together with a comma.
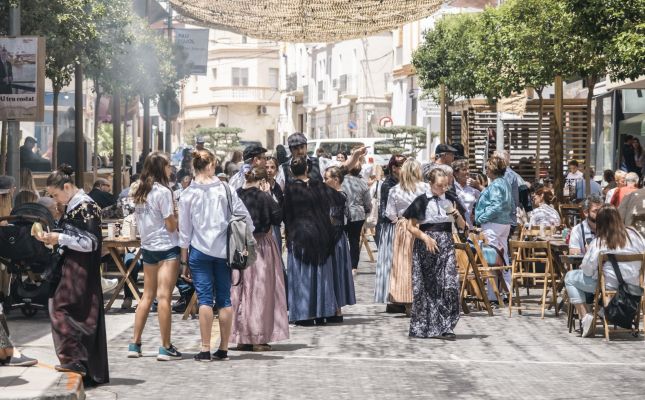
x: 587, y: 322
x: 108, y: 285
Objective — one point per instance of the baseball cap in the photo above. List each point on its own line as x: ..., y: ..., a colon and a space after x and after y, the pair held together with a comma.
x: 296, y: 139
x: 444, y: 148
x: 200, y: 140
x: 6, y: 183
x: 253, y: 150
x: 30, y: 139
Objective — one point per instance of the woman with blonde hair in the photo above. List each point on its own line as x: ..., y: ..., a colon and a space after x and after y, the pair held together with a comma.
x: 27, y: 181
x: 410, y: 186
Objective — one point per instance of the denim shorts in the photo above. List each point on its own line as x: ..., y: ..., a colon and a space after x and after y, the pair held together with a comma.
x: 210, y: 274
x: 155, y: 257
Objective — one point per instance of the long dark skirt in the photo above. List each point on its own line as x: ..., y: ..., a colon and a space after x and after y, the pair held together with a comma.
x: 311, y: 289
x: 78, y: 319
x: 343, y: 279
x: 435, y: 286
x: 259, y: 301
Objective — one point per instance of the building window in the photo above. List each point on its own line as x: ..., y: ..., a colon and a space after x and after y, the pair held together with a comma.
x: 214, y: 72
x: 274, y: 77
x: 244, y: 39
x: 240, y: 77
x: 195, y: 83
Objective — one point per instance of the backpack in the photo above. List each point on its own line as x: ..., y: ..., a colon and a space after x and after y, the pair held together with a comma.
x: 240, y: 244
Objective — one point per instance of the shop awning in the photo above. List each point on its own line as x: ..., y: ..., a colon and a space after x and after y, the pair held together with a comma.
x: 632, y: 126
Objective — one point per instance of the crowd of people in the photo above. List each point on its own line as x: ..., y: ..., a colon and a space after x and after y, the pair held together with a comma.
x: 319, y: 207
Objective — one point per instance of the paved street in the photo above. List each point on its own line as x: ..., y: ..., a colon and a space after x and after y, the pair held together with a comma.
x: 371, y: 356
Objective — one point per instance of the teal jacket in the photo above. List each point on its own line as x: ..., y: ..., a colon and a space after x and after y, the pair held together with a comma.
x: 495, y: 204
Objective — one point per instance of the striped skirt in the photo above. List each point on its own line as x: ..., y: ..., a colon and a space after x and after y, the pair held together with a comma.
x: 384, y: 263
x: 401, y: 275
x: 343, y: 279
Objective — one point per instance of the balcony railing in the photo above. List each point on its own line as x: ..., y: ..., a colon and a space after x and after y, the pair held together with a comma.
x: 245, y: 94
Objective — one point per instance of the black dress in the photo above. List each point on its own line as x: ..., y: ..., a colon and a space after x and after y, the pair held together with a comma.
x: 76, y: 308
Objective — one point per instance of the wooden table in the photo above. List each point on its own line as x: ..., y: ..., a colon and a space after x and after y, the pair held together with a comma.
x: 121, y: 243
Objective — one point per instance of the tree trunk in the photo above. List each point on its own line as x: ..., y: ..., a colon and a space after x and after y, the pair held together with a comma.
x: 557, y: 142
x: 79, y: 136
x: 591, y: 83
x: 125, y: 131
x: 55, y: 131
x: 3, y: 149
x: 117, y: 157
x: 539, y: 134
x: 97, y: 103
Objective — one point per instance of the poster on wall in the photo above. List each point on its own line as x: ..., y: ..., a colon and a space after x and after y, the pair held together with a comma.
x: 194, y: 42
x: 22, y: 78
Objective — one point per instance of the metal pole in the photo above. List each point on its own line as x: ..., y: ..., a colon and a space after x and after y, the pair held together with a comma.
x: 13, y: 127
x: 168, y: 140
x: 78, y: 126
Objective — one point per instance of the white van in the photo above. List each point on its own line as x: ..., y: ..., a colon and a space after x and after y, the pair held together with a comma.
x: 375, y: 153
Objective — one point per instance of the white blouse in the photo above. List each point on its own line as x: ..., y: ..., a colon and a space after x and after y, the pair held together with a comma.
x: 430, y: 209
x: 398, y: 200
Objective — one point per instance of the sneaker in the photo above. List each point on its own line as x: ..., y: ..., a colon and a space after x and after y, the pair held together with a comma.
x: 220, y: 355
x: 180, y: 306
x: 134, y: 350
x: 153, y: 306
x: 108, y: 285
x: 127, y: 303
x: 203, y: 356
x: 75, y: 367
x: 587, y: 322
x: 168, y: 353
x: 20, y: 360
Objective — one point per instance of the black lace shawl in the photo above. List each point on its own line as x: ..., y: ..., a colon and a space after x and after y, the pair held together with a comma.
x: 306, y: 209
x: 265, y: 212
x: 84, y: 221
x: 388, y: 184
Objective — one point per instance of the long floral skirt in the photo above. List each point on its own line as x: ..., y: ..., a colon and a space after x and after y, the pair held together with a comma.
x: 401, y: 275
x: 259, y: 301
x: 384, y: 263
x: 435, y: 284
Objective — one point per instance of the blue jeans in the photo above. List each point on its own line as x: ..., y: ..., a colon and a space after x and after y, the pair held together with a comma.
x: 579, y: 285
x: 210, y: 273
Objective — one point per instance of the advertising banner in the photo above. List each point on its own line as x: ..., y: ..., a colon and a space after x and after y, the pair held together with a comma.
x: 195, y: 45
x: 22, y: 78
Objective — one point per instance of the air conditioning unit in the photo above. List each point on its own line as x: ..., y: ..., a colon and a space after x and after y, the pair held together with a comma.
x: 262, y: 110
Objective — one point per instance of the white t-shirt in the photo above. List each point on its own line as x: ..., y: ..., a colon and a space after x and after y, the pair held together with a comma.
x: 571, y: 180
x: 150, y: 220
x: 576, y: 241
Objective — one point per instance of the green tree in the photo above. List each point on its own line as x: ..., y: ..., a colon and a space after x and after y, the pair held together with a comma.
x: 224, y: 138
x: 446, y: 57
x: 403, y: 139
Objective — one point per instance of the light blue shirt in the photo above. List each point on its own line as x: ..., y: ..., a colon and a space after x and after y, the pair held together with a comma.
x: 495, y: 204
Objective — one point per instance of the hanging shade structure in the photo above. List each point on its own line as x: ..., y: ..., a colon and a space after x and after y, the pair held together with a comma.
x: 306, y: 20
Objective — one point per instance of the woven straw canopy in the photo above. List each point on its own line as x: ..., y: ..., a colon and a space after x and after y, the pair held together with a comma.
x: 306, y: 20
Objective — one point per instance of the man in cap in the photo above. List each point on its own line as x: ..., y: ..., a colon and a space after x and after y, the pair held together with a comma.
x: 444, y: 155
x: 199, y: 143
x: 254, y: 156
x: 101, y: 193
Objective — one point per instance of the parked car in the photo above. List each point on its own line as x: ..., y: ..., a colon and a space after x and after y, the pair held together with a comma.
x: 378, y: 151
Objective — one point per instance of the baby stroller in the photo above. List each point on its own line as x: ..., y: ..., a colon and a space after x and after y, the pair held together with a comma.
x: 29, y: 261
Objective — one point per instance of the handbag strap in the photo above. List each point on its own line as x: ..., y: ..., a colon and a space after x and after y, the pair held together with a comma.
x: 614, y: 264
x: 229, y: 200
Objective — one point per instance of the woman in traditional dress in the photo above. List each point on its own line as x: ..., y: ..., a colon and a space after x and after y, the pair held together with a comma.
x: 259, y: 301
x: 435, y: 280
x: 203, y: 222
x: 410, y: 186
x: 76, y: 308
x: 341, y: 259
x: 309, y: 244
x: 272, y: 168
x: 385, y: 234
x: 157, y: 224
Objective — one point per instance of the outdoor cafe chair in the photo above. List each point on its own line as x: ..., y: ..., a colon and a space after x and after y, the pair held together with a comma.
x: 605, y: 295
x: 489, y: 272
x: 530, y: 253
x: 472, y: 279
x: 570, y: 214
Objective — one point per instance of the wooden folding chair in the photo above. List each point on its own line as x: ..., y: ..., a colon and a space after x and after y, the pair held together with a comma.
x: 534, y: 231
x: 471, y: 278
x: 570, y: 214
x: 488, y: 272
x: 604, y: 294
x: 365, y: 233
x: 530, y: 253
x: 190, y: 308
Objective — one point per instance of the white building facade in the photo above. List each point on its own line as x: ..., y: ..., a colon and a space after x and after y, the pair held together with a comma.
x: 240, y: 89
x: 332, y: 90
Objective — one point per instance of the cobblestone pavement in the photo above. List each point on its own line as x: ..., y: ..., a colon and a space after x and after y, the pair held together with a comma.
x: 371, y: 356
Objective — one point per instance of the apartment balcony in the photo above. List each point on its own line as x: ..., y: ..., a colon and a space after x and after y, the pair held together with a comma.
x: 244, y: 95
x: 347, y: 86
x: 293, y: 88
